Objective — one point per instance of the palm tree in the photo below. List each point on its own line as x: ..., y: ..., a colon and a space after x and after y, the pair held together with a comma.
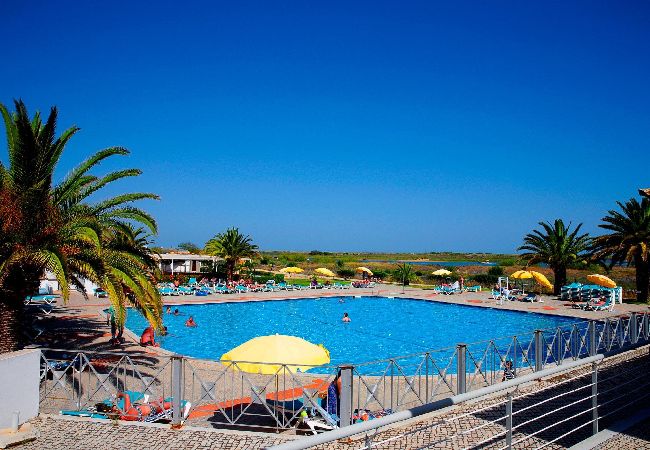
x: 557, y: 246
x: 54, y: 227
x: 232, y: 246
x: 404, y: 273
x: 629, y: 241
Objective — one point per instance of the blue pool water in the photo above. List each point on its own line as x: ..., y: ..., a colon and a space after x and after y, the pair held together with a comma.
x: 380, y: 328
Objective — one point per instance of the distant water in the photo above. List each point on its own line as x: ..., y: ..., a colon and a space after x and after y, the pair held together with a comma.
x: 432, y: 263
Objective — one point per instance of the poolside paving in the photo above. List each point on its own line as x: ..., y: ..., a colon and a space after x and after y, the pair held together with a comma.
x: 81, y: 324
x: 441, y: 429
x: 636, y: 437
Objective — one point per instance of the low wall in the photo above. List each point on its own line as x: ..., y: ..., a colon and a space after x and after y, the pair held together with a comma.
x: 19, y: 380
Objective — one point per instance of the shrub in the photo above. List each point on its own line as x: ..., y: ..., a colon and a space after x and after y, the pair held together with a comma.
x: 496, y: 271
x: 485, y: 279
x: 380, y: 273
x: 345, y: 273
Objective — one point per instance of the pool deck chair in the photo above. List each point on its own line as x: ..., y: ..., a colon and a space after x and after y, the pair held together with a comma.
x: 41, y: 299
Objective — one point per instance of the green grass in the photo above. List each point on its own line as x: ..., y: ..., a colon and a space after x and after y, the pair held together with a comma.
x: 331, y: 258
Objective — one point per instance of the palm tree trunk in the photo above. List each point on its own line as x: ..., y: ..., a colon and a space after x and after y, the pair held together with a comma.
x: 11, y: 321
x: 560, y: 279
x: 231, y: 269
x: 642, y: 278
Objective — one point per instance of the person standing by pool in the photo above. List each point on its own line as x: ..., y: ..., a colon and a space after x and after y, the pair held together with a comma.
x: 508, y: 372
x: 346, y: 318
x: 116, y: 330
x: 148, y: 338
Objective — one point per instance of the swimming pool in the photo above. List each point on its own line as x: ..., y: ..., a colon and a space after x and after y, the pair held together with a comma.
x: 381, y: 327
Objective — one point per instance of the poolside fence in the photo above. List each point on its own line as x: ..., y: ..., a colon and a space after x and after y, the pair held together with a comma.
x: 218, y: 394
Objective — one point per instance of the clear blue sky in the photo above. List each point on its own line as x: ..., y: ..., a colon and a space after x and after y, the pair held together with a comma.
x: 353, y: 126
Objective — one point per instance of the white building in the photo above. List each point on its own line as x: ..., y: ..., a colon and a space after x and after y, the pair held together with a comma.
x: 172, y: 263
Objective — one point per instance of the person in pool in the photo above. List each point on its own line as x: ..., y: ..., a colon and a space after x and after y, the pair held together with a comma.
x: 346, y: 318
x: 148, y: 338
x: 176, y: 312
x: 169, y: 310
x: 190, y: 322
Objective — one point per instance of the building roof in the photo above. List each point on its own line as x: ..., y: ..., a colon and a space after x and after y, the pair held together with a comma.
x: 186, y: 257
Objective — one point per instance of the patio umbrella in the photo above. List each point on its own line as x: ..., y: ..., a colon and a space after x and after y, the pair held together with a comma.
x: 291, y: 270
x: 601, y: 280
x: 325, y: 272
x: 541, y: 279
x: 267, y: 354
x: 441, y: 272
x: 522, y: 274
x: 364, y: 269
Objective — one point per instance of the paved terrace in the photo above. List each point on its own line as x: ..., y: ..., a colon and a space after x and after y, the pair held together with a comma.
x: 64, y: 433
x: 81, y: 324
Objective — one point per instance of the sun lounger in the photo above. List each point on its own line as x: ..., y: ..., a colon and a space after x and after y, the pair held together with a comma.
x: 40, y: 299
x: 530, y: 298
x: 185, y: 290
x: 116, y: 409
x: 476, y: 288
x: 222, y: 290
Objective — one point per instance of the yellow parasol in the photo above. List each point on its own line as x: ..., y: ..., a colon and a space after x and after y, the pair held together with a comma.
x: 521, y: 275
x: 291, y: 270
x: 601, y: 280
x: 364, y: 269
x: 268, y: 354
x: 325, y: 272
x: 441, y: 272
x: 541, y: 279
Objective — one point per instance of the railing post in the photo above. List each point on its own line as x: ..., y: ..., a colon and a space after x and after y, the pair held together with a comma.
x: 461, y: 371
x: 539, y: 364
x: 594, y: 398
x: 509, y: 422
x: 177, y: 390
x: 592, y: 338
x: 514, y: 354
x: 345, y: 414
x: 634, y: 335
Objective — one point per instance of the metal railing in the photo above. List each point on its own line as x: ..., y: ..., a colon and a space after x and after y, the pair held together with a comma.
x: 211, y: 393
x: 575, y: 398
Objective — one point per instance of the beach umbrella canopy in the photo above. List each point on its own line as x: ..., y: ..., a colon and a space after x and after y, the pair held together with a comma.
x: 441, y: 272
x: 291, y: 270
x: 541, y: 279
x: 325, y: 272
x: 364, y: 269
x: 267, y: 354
x: 601, y: 280
x: 521, y: 275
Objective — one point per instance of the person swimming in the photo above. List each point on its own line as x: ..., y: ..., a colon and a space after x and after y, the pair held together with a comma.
x: 190, y: 322
x: 169, y: 310
x: 176, y: 312
x: 346, y: 318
